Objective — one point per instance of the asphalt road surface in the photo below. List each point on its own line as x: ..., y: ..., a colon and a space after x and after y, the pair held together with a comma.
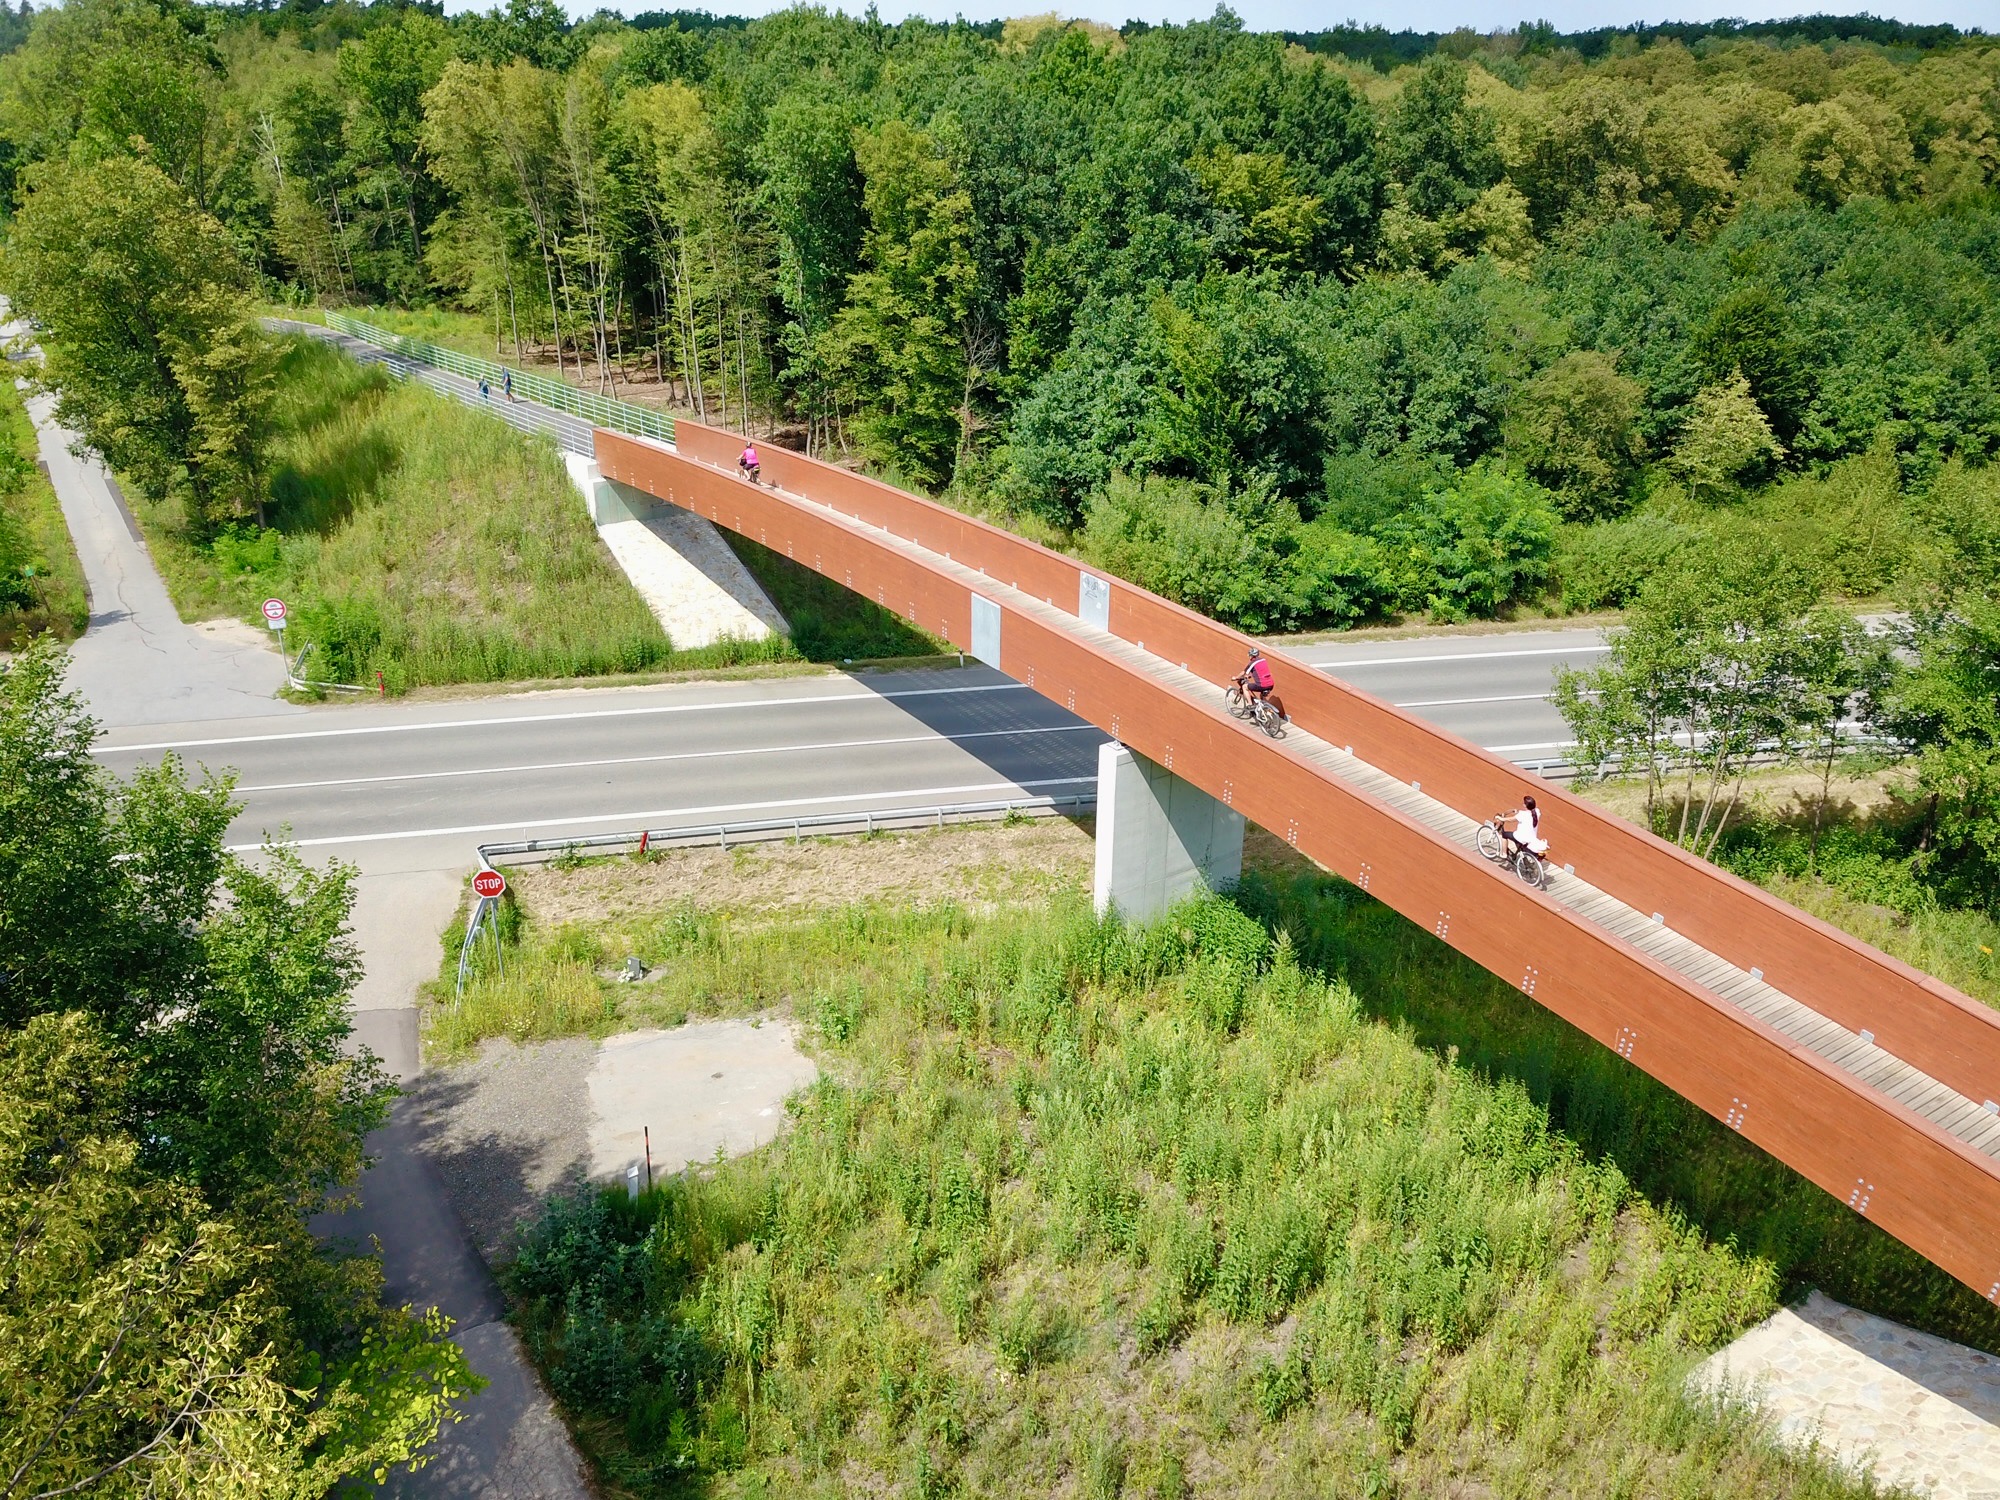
x: 359, y: 780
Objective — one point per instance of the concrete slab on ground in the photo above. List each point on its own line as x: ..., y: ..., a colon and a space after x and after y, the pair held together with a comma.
x: 702, y: 1088
x: 1923, y: 1411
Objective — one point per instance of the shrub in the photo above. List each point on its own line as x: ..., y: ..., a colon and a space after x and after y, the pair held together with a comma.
x: 1473, y: 547
x: 1605, y: 566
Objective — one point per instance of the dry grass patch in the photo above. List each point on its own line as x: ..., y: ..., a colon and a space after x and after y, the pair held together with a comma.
x: 981, y: 867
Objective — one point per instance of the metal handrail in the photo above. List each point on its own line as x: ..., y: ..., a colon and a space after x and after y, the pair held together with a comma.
x: 864, y: 822
x: 600, y: 411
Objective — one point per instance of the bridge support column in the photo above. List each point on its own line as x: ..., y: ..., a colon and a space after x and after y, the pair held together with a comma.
x: 1159, y: 838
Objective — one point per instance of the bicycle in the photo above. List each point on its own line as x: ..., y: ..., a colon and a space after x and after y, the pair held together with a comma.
x: 1526, y: 863
x: 1249, y: 706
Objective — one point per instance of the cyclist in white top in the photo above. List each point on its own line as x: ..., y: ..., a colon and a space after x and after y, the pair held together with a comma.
x: 1527, y: 830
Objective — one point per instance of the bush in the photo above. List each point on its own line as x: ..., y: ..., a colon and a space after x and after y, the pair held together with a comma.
x: 1474, y: 547
x: 1605, y: 566
x: 1241, y: 556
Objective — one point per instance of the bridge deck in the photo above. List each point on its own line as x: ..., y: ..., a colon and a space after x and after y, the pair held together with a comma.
x: 1950, y: 1110
x: 1905, y: 1136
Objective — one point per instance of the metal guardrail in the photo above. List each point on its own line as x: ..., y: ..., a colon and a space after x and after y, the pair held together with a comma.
x: 601, y: 411
x: 760, y: 830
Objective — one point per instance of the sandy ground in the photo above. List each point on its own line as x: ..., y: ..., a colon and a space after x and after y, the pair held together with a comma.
x: 238, y: 633
x: 981, y: 866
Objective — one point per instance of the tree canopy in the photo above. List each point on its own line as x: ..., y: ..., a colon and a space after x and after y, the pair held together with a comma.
x: 175, y: 1102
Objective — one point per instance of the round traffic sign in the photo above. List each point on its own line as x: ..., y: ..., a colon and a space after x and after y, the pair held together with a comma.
x: 274, y: 610
x: 488, y: 883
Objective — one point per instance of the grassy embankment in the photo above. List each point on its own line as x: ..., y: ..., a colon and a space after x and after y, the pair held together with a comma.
x: 1126, y: 1207
x: 41, y: 581
x: 421, y: 539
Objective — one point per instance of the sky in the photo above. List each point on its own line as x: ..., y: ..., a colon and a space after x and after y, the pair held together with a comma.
x: 1396, y: 15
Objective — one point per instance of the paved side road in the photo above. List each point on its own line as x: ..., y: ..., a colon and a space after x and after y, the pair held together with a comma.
x: 139, y: 663
x: 511, y: 1445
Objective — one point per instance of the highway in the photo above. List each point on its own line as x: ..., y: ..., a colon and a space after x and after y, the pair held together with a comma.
x: 359, y: 779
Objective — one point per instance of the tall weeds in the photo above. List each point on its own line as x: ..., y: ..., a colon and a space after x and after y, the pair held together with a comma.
x: 1078, y: 1208
x: 423, y: 540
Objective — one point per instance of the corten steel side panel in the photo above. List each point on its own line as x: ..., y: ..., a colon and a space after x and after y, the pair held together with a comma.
x: 1912, y: 1015
x: 980, y: 546
x: 1919, y: 1184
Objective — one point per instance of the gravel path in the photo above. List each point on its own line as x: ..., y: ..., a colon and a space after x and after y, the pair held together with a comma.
x: 505, y: 1129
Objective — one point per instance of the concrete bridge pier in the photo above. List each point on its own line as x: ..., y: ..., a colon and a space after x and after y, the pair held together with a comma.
x: 1159, y: 838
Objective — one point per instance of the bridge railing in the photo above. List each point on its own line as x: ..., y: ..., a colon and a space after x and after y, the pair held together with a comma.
x: 1934, y: 1190
x: 1909, y: 1013
x: 599, y: 411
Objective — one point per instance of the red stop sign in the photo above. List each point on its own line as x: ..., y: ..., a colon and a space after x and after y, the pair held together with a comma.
x: 488, y: 883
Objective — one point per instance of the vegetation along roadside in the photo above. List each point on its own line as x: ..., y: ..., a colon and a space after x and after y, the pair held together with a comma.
x: 41, y: 582
x: 1278, y: 1194
x: 176, y: 1103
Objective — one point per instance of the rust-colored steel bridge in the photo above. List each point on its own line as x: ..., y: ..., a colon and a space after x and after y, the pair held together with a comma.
x: 1872, y: 1079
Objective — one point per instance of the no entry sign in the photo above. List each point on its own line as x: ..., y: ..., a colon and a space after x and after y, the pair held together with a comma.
x: 274, y: 613
x: 488, y: 884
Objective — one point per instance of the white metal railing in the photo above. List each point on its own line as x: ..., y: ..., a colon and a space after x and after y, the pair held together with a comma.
x: 600, y: 411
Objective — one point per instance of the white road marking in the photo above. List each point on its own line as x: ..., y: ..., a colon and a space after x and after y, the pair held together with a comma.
x: 654, y: 817
x: 1402, y: 661
x: 595, y: 713
x: 1454, y: 702
x: 1538, y: 745
x: 643, y: 760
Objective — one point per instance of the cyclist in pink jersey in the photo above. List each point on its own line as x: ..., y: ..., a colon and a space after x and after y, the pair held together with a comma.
x: 1257, y: 679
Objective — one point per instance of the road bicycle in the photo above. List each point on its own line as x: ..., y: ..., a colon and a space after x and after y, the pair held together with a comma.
x: 1249, y: 706
x: 1526, y: 863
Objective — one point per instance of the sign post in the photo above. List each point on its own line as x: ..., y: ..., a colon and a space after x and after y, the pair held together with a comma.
x: 489, y: 886
x: 274, y: 616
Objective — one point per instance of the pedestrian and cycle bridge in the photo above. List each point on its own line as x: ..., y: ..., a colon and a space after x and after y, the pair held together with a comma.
x: 1875, y: 1081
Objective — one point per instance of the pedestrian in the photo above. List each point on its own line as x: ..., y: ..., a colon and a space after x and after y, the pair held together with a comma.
x: 507, y: 384
x: 485, y: 389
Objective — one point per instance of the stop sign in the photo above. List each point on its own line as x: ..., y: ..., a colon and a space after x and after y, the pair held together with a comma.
x: 488, y: 884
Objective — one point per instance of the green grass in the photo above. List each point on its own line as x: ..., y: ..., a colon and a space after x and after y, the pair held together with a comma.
x: 830, y: 622
x: 424, y: 540
x: 42, y: 590
x: 416, y: 537
x: 1088, y: 1211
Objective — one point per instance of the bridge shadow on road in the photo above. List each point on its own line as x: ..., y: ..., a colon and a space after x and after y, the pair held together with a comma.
x: 1008, y: 731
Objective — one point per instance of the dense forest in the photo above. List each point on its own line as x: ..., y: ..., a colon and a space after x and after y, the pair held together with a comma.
x: 1300, y: 330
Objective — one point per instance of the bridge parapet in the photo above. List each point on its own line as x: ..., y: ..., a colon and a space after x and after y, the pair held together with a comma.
x: 1948, y: 1035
